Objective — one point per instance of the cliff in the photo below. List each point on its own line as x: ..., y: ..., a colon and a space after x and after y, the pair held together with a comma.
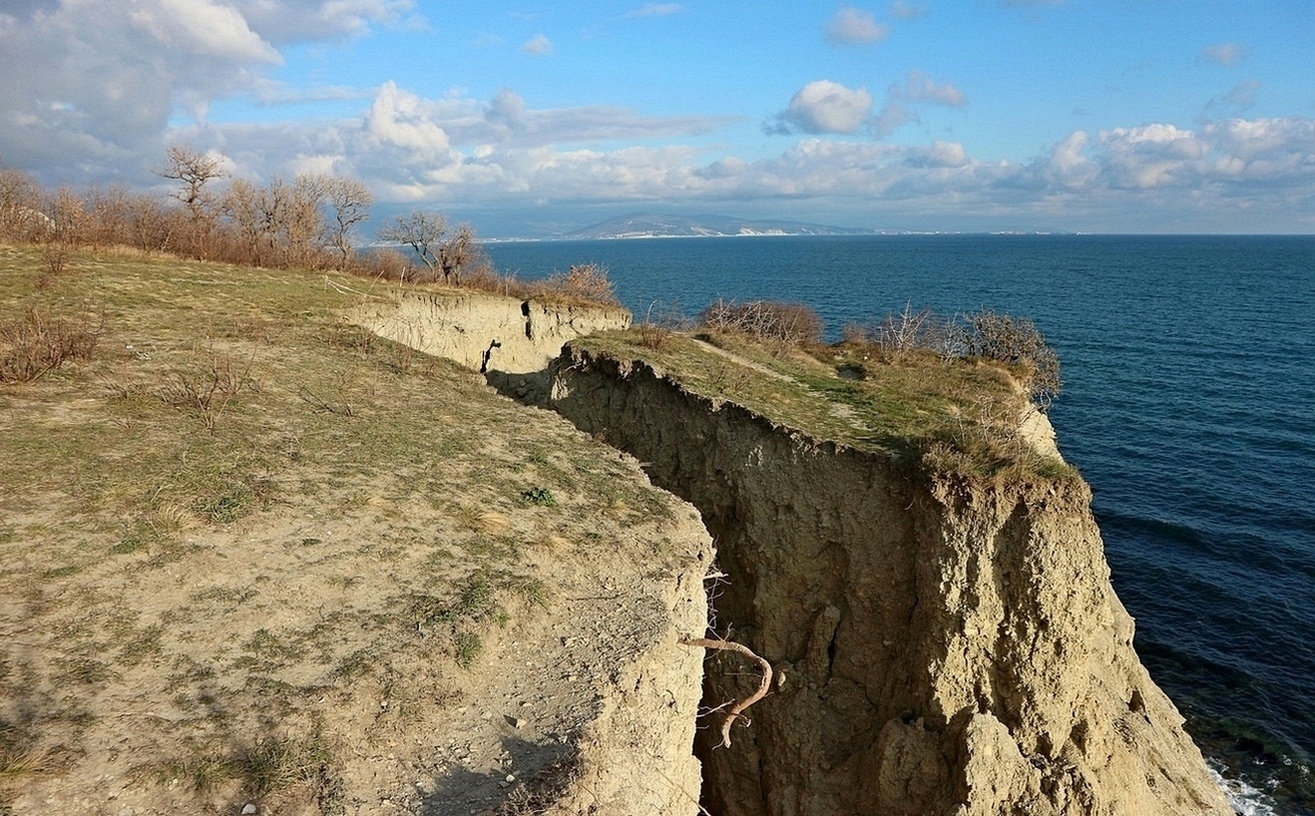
x: 944, y: 644
x: 484, y: 331
x: 946, y: 641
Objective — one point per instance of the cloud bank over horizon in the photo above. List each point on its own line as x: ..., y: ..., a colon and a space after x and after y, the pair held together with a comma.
x: 537, y: 126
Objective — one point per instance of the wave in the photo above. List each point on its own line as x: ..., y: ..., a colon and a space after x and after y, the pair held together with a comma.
x: 1245, y: 799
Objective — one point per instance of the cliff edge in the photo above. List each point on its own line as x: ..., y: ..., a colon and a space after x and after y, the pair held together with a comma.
x: 945, y: 644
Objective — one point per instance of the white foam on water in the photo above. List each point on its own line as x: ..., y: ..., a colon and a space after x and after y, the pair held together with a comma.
x: 1246, y: 800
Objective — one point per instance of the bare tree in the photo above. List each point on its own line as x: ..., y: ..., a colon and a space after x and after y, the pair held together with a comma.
x: 151, y: 225
x: 194, y: 170
x: 20, y: 205
x: 349, y: 201
x: 301, y: 222
x: 68, y: 212
x: 457, y: 252
x: 245, y: 206
x: 423, y: 232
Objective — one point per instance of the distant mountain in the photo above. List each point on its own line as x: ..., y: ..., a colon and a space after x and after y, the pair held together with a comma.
x: 679, y: 226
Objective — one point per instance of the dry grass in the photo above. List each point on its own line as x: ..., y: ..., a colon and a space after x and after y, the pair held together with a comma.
x: 210, y: 528
x: 945, y: 415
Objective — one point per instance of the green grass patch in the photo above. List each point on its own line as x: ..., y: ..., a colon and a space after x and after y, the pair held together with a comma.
x: 953, y: 415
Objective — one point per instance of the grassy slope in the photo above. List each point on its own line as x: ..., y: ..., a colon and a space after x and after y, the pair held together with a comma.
x: 217, y: 595
x: 951, y: 416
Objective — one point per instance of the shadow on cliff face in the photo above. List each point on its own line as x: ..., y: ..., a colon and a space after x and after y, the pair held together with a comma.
x: 532, y: 388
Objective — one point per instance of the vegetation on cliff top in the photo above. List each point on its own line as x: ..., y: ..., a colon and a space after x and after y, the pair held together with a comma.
x: 951, y: 412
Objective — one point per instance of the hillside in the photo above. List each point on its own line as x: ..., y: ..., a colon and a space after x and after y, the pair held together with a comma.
x: 251, y: 554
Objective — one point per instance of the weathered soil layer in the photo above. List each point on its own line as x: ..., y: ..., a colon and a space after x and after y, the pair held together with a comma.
x: 944, y: 645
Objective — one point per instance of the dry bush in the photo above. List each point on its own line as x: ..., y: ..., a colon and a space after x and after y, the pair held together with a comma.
x: 208, y: 387
x: 32, y: 344
x: 54, y: 262
x: 1014, y: 340
x: 381, y: 264
x: 20, y: 206
x: 907, y: 330
x: 486, y: 278
x: 782, y: 324
x: 983, y: 334
x: 659, y: 324
x: 584, y: 282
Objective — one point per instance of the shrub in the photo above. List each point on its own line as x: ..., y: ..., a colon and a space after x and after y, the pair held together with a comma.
x: 541, y: 496
x: 984, y: 334
x: 32, y: 345
x: 779, y: 323
x: 584, y: 282
x: 54, y: 262
x: 659, y: 323
x: 1014, y: 340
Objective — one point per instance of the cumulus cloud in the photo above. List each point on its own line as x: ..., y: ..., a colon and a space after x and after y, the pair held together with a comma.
x: 916, y: 88
x: 829, y: 107
x: 824, y: 107
x: 1141, y: 175
x: 537, y: 46
x: 401, y: 119
x: 101, y: 81
x: 939, y: 154
x: 853, y: 26
x: 656, y: 10
x: 1226, y: 54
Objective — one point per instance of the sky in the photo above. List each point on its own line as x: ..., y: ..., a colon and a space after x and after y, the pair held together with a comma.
x: 531, y: 118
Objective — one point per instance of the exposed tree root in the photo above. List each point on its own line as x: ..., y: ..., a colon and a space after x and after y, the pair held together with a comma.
x: 740, y: 706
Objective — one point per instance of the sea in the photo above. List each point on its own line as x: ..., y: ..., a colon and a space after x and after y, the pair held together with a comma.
x: 1188, y: 404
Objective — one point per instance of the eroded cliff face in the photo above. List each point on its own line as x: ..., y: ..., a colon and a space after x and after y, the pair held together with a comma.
x: 484, y: 331
x: 944, y: 646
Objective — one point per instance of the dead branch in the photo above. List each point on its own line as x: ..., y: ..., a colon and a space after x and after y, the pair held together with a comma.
x: 740, y: 706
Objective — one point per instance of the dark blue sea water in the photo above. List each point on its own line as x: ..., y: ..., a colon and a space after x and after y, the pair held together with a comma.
x: 1188, y: 404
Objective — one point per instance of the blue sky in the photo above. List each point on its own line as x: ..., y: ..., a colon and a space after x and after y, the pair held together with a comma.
x: 529, y: 117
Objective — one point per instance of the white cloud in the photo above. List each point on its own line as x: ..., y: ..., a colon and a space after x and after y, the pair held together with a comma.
x: 1239, y: 98
x: 100, y: 81
x: 829, y: 107
x: 308, y: 20
x: 903, y: 10
x: 537, y: 46
x: 853, y: 26
x: 939, y: 154
x: 401, y: 119
x: 202, y: 27
x: 825, y: 107
x: 921, y: 88
x: 1289, y: 140
x: 892, y: 115
x: 1226, y: 54
x: 656, y: 10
